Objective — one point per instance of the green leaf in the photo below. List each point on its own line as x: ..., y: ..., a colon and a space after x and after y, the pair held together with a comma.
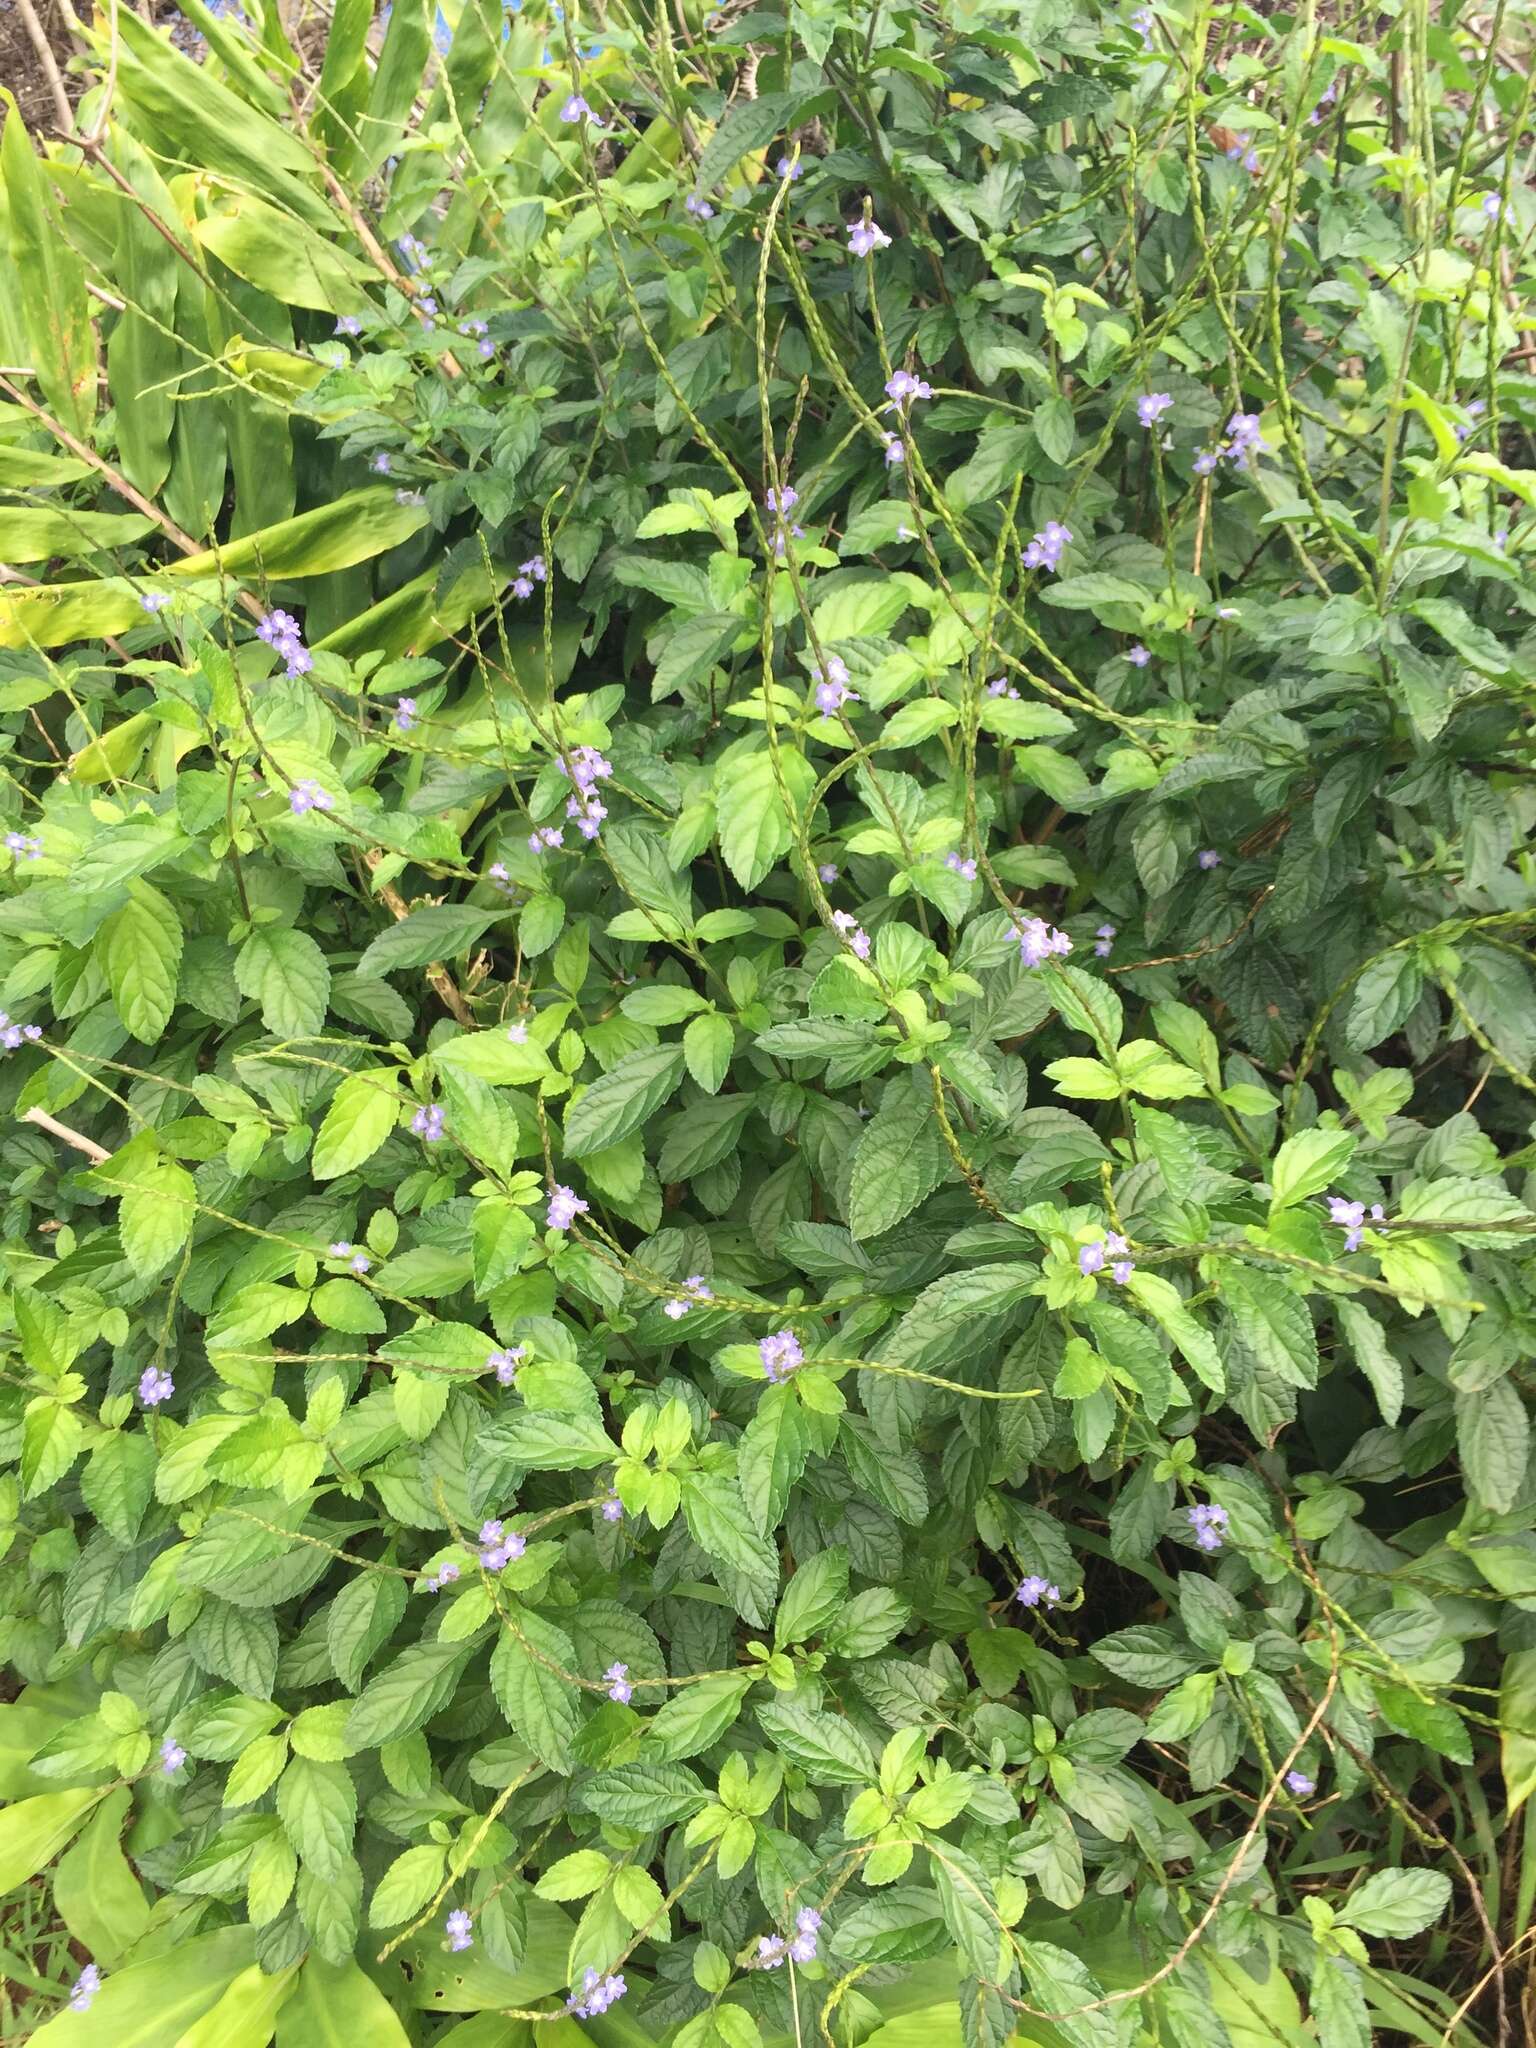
x: 1396, y: 1904
x: 1273, y: 1321
x: 695, y: 1718
x: 899, y: 1160
x: 1493, y: 1434
x: 528, y: 1677
x: 34, y: 1831
x: 407, y: 1885
x: 139, y: 948
x: 623, y: 1099
x: 440, y: 931
x: 317, y: 1804
x: 337, y: 2006
x: 1306, y: 1164
x: 285, y: 972
x: 755, y: 828
x: 362, y: 1114
x: 812, y: 1597
x: 827, y: 1748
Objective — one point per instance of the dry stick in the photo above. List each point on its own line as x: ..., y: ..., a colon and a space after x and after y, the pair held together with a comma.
x: 38, y: 37
x: 94, y: 1152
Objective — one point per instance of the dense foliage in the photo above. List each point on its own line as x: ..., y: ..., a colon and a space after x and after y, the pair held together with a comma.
x: 768, y: 1029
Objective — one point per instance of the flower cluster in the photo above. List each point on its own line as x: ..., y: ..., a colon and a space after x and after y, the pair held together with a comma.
x: 155, y: 1386
x: 1238, y: 152
x: 359, y: 1261
x: 587, y: 768
x: 14, y: 1035
x: 84, y: 1989
x: 1209, y: 1523
x: 23, y: 846
x: 282, y: 632
x: 961, y: 866
x: 853, y: 932
x: 1104, y: 940
x: 1091, y: 1258
x: 533, y: 571
x: 565, y: 1205
x: 865, y: 237
x: 833, y: 691
x: 1046, y: 548
x: 505, y: 1363
x: 1035, y: 1592
x: 405, y: 714
x: 595, y: 1996
x: 427, y: 1123
x: 481, y: 335
x: 1001, y: 687
x: 308, y: 796
x: 443, y: 1576
x: 904, y: 387
x: 695, y: 1288
x: 545, y: 838
x: 800, y: 1947
x: 1350, y: 1217
x: 1039, y: 940
x: 780, y: 503
x: 780, y: 1354
x: 616, y: 1678
x: 698, y: 206
x: 172, y: 1756
x: 1245, y: 442
x: 459, y: 1929
x: 497, y: 1548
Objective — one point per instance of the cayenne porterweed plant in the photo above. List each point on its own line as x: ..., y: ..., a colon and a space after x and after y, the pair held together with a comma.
x: 766, y: 1062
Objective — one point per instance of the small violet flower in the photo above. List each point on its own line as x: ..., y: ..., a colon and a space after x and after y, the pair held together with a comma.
x: 595, y: 1995
x: 964, y: 868
x: 427, y: 1123
x: 172, y: 1756
x: 153, y: 601
x: 802, y: 1949
x: 1151, y: 406
x: 698, y: 206
x: 1299, y: 1783
x: 895, y: 452
x: 308, y: 796
x: 1137, y: 656
x: 497, y: 1548
x: 1207, y: 859
x: 1104, y: 940
x: 1350, y: 1217
x: 458, y: 1928
x: 850, y: 928
x: 833, y: 691
x: 1035, y: 1591
x: 1038, y: 941
x: 84, y: 1989
x: 866, y: 238
x: 904, y: 387
x: 780, y: 1354
x: 545, y: 839
x: 613, y: 1509
x: 505, y: 1363
x: 828, y: 872
x: 619, y: 1688
x: 348, y: 324
x: 405, y: 714
x: 1045, y: 549
x: 443, y: 1576
x: 1209, y: 1523
x: 155, y: 1386
x: 564, y: 1207
x: 577, y: 109
x: 787, y: 167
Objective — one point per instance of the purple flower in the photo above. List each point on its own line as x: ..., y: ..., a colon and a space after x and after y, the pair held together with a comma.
x: 443, y: 1576
x: 1038, y: 941
x: 1492, y: 205
x: 405, y: 714
x: 895, y: 451
x: 1209, y: 1523
x: 595, y: 1995
x: 382, y: 462
x: 473, y: 327
x: 1475, y: 411
x: 965, y: 869
x: 24, y: 847
x: 865, y: 237
x: 1046, y: 548
x: 676, y: 1308
x: 781, y: 501
x: 902, y: 388
x: 536, y: 568
x: 1299, y: 1783
x: 850, y: 928
x: 522, y: 586
x: 780, y: 1354
x: 698, y: 1288
x: 1207, y: 859
x: 1000, y: 687
x: 155, y: 1386
x: 1104, y: 940
x: 1090, y: 1259
x: 153, y: 601
x: 786, y: 167
x: 1350, y: 1217
x: 282, y: 633
x: 576, y: 109
x: 833, y: 691
x: 308, y: 796
x: 427, y: 1123
x: 613, y: 1509
x: 1137, y: 656
x: 545, y: 839
x: 1246, y: 440
x: 1143, y: 21
x: 698, y: 206
x: 771, y: 1950
x: 172, y: 1756
x: 1121, y: 1270
x: 84, y: 1989
x: 802, y: 1949
x: 505, y: 1363
x: 828, y: 872
x: 1205, y: 462
x: 458, y: 1928
x: 518, y: 1032
x: 360, y: 1262
x: 1151, y: 406
x: 588, y: 812
x: 348, y: 324
x: 1034, y: 1590
x: 564, y: 1207
x: 497, y: 1548
x: 619, y: 1687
